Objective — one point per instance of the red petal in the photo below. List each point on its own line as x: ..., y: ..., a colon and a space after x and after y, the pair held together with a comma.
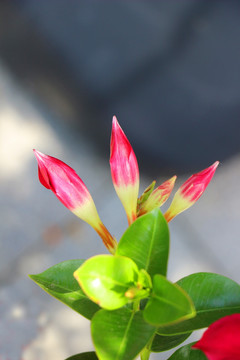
x: 221, y: 341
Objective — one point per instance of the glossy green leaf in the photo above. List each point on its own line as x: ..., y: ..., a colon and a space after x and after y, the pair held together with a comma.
x: 186, y: 353
x: 106, y: 278
x: 146, y: 242
x: 213, y: 295
x: 120, y: 334
x: 163, y: 343
x: 59, y: 282
x: 84, y: 356
x: 168, y: 303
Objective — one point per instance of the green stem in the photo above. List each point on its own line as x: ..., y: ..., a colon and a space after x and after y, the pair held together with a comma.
x: 145, y: 354
x: 136, y: 305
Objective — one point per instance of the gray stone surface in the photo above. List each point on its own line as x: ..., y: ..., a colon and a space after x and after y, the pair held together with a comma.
x: 37, y: 231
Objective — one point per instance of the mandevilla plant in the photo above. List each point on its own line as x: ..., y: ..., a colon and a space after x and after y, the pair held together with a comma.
x: 134, y: 309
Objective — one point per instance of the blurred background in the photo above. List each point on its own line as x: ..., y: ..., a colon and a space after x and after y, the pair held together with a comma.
x: 170, y: 71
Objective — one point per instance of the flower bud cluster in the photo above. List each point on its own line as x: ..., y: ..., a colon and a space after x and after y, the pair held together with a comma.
x: 73, y: 193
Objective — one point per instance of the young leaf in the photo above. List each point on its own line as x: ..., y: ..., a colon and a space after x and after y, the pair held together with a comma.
x: 146, y: 242
x: 213, y: 295
x: 144, y: 279
x: 163, y: 343
x: 120, y: 334
x: 168, y: 303
x: 106, y: 278
x: 59, y: 282
x: 84, y: 356
x: 187, y: 353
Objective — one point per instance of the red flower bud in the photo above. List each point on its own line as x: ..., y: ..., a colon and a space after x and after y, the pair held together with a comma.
x: 124, y: 170
x: 190, y: 191
x: 158, y: 197
x: 72, y: 192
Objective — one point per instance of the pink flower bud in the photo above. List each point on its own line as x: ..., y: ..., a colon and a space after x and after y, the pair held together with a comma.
x: 72, y: 192
x: 221, y: 341
x: 158, y: 197
x: 124, y: 170
x: 190, y: 191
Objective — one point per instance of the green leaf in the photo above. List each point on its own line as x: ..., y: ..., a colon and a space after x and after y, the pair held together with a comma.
x: 120, y: 334
x: 168, y: 303
x: 163, y: 343
x: 84, y: 356
x: 186, y: 353
x: 59, y: 282
x: 213, y: 295
x: 146, y: 242
x: 106, y: 278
